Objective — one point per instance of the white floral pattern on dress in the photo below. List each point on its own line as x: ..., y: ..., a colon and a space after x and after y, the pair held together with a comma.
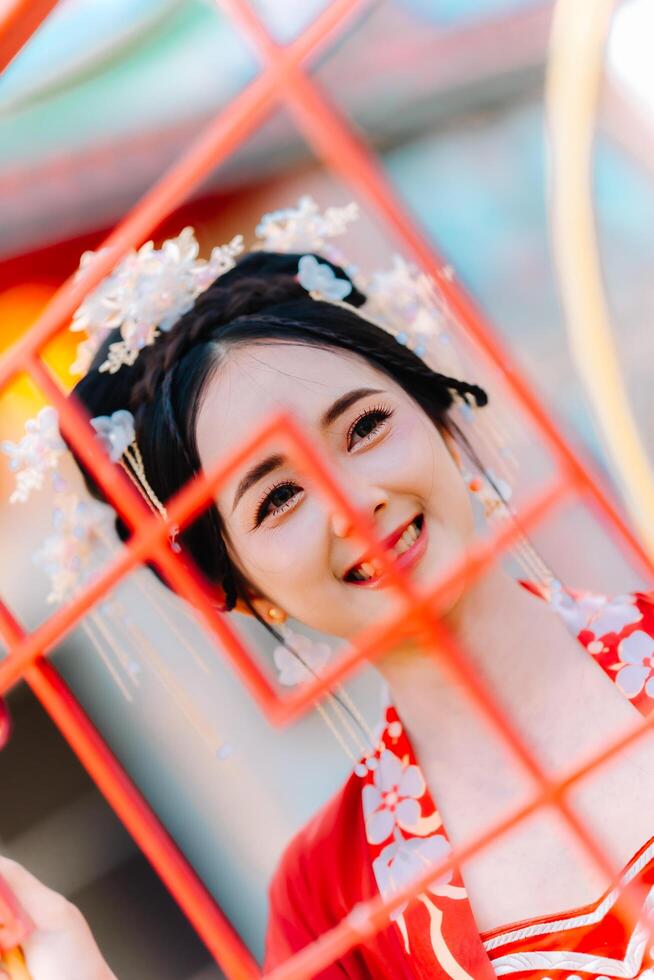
x: 396, y: 802
x: 598, y: 614
x: 402, y: 861
x: 619, y: 632
x: 636, y: 665
x: 391, y: 800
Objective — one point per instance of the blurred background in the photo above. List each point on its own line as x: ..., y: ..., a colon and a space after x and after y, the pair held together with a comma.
x: 104, y: 97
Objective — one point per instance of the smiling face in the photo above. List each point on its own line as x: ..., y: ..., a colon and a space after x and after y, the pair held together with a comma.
x: 388, y: 455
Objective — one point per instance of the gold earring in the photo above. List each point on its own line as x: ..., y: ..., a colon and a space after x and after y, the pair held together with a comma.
x: 276, y: 614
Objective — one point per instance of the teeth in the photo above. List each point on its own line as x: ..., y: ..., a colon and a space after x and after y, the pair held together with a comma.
x: 368, y: 569
x: 407, y: 539
x: 409, y: 536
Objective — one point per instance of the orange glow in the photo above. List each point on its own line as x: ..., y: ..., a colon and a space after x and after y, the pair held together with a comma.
x: 20, y: 308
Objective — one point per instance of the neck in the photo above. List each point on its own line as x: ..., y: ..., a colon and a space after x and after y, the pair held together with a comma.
x: 489, y: 623
x: 528, y: 662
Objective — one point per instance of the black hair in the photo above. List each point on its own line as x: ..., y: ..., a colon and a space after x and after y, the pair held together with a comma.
x: 259, y: 299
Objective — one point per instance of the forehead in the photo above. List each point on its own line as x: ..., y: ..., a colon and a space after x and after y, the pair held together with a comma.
x: 258, y: 380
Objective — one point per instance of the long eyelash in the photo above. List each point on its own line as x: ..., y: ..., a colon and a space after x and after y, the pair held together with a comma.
x: 264, y: 498
x: 380, y: 409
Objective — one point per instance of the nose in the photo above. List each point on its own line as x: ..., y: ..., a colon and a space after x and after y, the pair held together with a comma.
x: 369, y: 500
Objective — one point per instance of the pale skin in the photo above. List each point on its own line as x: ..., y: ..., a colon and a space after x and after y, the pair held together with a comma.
x: 562, y: 704
x: 61, y: 947
x: 295, y: 549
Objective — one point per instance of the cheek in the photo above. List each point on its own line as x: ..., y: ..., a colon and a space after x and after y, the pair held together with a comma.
x: 452, y: 498
x: 414, y: 455
x: 427, y: 467
x: 407, y: 455
x: 291, y: 566
x: 287, y: 558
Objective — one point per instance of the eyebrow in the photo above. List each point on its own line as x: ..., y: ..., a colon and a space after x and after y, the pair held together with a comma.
x: 275, y: 461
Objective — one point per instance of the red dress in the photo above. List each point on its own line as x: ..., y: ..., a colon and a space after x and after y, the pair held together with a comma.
x: 383, y: 828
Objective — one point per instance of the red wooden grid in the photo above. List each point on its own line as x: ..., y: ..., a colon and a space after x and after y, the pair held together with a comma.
x: 283, y: 78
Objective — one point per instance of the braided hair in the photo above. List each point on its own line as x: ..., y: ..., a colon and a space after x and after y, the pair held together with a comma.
x: 259, y: 300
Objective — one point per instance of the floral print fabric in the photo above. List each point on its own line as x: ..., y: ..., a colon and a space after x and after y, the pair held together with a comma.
x: 435, y: 933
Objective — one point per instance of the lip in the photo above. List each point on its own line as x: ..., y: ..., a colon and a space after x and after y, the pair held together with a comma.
x: 402, y: 562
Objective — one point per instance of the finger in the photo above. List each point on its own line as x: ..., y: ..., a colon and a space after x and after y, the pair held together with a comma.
x: 15, y: 922
x: 24, y: 896
x: 16, y: 876
x: 22, y: 882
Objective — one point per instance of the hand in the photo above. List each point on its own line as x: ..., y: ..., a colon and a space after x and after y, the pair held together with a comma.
x: 61, y: 947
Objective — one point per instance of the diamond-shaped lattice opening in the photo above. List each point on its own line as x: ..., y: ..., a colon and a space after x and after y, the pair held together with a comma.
x: 344, y: 152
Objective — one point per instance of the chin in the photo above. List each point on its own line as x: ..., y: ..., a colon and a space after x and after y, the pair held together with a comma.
x: 439, y: 558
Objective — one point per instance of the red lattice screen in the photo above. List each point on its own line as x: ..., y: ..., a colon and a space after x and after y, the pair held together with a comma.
x: 284, y: 78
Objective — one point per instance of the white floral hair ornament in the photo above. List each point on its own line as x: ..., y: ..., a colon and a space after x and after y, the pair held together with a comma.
x: 115, y: 432
x: 145, y: 295
x: 37, y: 454
x: 304, y: 229
x: 320, y: 280
x: 150, y: 289
x: 67, y: 555
x: 407, y: 302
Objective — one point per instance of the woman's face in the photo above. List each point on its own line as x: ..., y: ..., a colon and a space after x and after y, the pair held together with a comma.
x: 389, y: 457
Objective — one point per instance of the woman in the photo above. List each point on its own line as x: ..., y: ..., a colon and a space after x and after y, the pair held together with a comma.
x: 255, y: 342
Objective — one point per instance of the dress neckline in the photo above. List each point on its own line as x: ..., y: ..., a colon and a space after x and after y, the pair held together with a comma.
x: 561, y: 920
x: 404, y: 830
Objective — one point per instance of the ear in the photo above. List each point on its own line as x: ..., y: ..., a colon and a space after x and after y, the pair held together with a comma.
x: 264, y: 607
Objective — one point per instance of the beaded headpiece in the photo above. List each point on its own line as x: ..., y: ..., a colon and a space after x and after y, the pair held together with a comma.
x: 147, y: 293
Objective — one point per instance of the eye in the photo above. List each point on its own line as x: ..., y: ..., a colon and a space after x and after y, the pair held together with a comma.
x: 280, y: 496
x: 367, y: 424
